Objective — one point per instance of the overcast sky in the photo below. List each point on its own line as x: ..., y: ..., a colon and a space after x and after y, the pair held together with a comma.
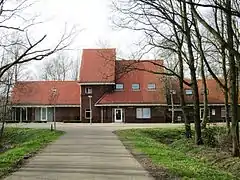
x: 92, y: 17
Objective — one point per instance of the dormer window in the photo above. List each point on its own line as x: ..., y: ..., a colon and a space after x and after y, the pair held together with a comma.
x: 88, y: 90
x: 188, y: 92
x: 135, y: 87
x: 119, y: 87
x: 151, y: 86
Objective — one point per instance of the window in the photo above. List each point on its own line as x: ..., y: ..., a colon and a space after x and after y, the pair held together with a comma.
x: 188, y: 92
x: 151, y: 86
x: 202, y: 91
x: 213, y: 112
x: 223, y: 112
x: 143, y: 113
x: 43, y: 113
x: 119, y: 87
x: 135, y: 87
x: 88, y: 90
x: 87, y: 113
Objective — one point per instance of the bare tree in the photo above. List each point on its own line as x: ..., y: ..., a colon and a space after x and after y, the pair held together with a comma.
x: 18, y: 47
x: 58, y: 68
x: 165, y: 29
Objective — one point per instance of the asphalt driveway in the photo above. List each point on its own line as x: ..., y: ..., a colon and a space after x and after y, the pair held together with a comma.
x: 84, y: 152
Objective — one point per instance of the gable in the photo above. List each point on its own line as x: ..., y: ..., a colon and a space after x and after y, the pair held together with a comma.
x: 98, y: 66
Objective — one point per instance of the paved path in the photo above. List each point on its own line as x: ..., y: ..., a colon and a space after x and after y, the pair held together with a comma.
x: 84, y: 153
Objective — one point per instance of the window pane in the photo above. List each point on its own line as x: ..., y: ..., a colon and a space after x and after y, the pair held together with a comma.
x: 223, y: 112
x: 139, y: 112
x: 88, y: 90
x: 146, y: 113
x: 44, y: 110
x: 135, y: 86
x: 188, y: 92
x: 151, y: 86
x: 119, y: 86
x: 213, y: 112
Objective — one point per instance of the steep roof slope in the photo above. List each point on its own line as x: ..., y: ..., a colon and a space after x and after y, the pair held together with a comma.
x: 136, y: 72
x: 98, y: 66
x: 40, y: 93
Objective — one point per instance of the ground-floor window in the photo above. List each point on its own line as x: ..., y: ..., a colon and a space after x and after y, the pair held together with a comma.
x: 43, y: 113
x: 87, y: 113
x: 143, y: 113
x: 213, y: 112
x: 223, y: 112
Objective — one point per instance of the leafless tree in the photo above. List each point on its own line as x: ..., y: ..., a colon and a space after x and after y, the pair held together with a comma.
x: 59, y: 67
x: 163, y: 25
x: 18, y: 47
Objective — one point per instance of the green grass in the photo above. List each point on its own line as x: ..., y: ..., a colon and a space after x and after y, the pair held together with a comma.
x: 22, y: 142
x: 168, y: 148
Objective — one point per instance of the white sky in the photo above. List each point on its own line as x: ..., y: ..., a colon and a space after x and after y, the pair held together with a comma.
x: 92, y: 16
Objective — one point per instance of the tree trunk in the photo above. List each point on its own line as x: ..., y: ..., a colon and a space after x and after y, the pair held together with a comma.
x: 187, y: 124
x: 197, y: 122
x: 202, y: 59
x: 226, y: 96
x: 205, y: 94
x: 233, y: 83
x: 172, y: 104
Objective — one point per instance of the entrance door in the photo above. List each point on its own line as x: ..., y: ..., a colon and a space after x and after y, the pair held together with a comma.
x: 43, y: 114
x: 118, y: 115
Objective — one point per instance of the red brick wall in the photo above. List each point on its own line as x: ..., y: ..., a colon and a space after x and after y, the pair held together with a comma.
x: 97, y: 93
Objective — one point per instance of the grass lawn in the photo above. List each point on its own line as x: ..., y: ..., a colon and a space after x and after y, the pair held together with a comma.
x: 168, y: 149
x: 21, y: 143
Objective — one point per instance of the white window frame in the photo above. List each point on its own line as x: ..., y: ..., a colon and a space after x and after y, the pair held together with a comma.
x: 134, y: 88
x: 188, y: 91
x: 45, y: 114
x: 140, y: 113
x: 151, y: 86
x: 88, y: 90
x: 117, y: 87
x: 88, y: 111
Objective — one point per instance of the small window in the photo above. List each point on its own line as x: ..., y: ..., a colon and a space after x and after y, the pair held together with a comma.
x: 119, y: 87
x: 151, y: 86
x: 223, y: 112
x: 188, y: 92
x: 88, y: 90
x: 135, y: 87
x: 143, y: 113
x: 202, y: 91
x: 213, y: 112
x: 87, y: 113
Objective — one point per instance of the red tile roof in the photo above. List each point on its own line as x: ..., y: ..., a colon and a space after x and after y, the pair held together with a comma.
x: 39, y: 93
x: 215, y: 93
x: 98, y: 66
x: 144, y: 96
